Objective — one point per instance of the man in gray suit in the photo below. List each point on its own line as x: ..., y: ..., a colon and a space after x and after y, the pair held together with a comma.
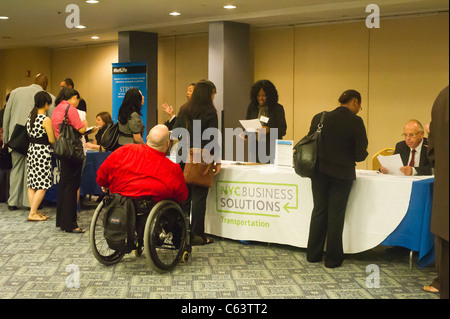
x: 19, y: 106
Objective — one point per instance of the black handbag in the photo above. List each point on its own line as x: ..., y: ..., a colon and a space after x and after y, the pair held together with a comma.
x: 110, y: 137
x: 69, y: 145
x: 19, y: 140
x: 5, y: 159
x: 305, y: 152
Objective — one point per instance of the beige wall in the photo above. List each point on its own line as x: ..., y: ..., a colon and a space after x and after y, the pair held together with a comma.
x: 182, y: 60
x: 399, y: 69
x: 15, y: 64
x: 408, y: 67
x: 91, y: 71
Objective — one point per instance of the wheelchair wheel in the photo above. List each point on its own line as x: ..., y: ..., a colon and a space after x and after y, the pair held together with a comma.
x: 166, y: 236
x: 99, y: 246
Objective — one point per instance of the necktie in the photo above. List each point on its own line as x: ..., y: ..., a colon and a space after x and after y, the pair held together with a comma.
x: 411, y: 163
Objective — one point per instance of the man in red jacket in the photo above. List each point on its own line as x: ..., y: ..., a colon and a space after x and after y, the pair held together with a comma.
x: 138, y: 171
x: 145, y: 174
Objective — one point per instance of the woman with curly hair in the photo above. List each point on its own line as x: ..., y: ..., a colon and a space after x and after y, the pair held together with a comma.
x: 265, y: 107
x: 130, y: 123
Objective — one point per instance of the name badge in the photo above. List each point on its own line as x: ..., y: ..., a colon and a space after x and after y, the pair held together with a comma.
x: 264, y: 119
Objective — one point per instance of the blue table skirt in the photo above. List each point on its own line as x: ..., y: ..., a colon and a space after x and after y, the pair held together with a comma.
x: 414, y: 230
x: 88, y: 184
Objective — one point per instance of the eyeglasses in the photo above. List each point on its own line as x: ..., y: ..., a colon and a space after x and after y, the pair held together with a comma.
x: 412, y: 135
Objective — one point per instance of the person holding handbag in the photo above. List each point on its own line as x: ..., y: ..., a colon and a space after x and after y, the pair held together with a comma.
x: 198, y: 115
x: 343, y: 142
x: 70, y: 170
x: 39, y: 157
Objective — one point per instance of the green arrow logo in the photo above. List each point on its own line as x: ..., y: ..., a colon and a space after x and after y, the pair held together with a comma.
x: 287, y: 207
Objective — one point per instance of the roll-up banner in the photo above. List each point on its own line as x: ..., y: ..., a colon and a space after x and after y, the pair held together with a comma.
x: 126, y: 76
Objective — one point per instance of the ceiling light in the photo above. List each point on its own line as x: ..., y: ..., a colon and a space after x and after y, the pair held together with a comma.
x: 91, y: 1
x: 175, y: 13
x: 230, y: 7
x: 95, y: 37
x: 80, y: 26
x: 4, y: 18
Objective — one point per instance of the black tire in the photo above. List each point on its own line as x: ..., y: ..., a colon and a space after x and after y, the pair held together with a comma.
x: 165, y: 236
x: 99, y: 246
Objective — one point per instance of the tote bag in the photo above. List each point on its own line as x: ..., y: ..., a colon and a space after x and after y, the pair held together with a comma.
x: 305, y: 152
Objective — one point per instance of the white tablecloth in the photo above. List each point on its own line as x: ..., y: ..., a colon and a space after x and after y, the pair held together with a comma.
x: 272, y: 204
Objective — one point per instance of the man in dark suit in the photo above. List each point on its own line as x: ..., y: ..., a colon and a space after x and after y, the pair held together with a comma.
x: 343, y: 142
x: 413, y: 150
x: 438, y: 153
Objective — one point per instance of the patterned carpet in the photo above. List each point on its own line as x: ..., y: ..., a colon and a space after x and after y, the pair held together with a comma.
x: 36, y: 260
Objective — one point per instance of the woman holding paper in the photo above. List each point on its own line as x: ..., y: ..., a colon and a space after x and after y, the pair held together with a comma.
x: 265, y: 107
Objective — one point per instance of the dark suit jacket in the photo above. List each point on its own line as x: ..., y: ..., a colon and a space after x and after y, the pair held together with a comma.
x: 170, y: 123
x: 438, y: 151
x: 277, y: 118
x: 343, y: 142
x: 424, y: 167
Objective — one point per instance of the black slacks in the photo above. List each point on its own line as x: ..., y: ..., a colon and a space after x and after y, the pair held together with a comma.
x: 195, y: 207
x: 66, y: 203
x: 330, y: 196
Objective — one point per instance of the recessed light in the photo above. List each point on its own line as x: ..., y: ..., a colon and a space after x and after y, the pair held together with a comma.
x: 4, y: 18
x: 80, y: 26
x: 175, y: 13
x: 95, y: 37
x: 230, y: 7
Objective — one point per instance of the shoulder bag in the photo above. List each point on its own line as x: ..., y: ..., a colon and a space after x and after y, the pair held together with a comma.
x: 197, y: 171
x: 69, y: 145
x: 110, y: 137
x: 19, y: 140
x: 305, y: 152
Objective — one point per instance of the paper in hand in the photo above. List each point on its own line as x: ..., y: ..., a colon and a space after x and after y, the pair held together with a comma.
x: 392, y: 163
x: 251, y: 125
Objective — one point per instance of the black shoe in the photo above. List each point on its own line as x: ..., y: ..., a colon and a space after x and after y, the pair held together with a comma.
x: 12, y: 207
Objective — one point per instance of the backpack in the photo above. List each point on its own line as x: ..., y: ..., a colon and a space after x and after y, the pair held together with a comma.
x: 110, y: 137
x: 119, y: 223
x: 305, y: 152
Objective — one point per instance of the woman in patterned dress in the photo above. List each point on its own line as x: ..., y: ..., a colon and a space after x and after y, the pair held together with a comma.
x: 39, y: 157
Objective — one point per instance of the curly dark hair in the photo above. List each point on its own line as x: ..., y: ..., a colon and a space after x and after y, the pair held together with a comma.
x: 271, y: 94
x: 132, y: 102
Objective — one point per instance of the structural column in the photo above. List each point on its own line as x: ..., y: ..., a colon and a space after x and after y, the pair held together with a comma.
x: 231, y: 70
x: 135, y: 46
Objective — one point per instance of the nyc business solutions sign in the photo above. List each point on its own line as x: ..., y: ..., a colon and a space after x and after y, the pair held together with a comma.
x: 261, y: 210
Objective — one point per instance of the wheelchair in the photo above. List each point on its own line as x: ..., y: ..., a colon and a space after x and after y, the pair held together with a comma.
x: 166, y: 237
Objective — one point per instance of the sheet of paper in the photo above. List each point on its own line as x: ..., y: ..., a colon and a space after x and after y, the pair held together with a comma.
x: 89, y: 130
x: 251, y: 125
x: 284, y: 152
x: 392, y: 163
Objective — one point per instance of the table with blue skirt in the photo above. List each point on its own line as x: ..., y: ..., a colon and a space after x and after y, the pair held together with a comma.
x: 88, y: 184
x: 413, y: 232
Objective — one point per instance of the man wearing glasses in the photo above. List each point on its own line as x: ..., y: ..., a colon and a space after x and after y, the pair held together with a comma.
x: 413, y: 150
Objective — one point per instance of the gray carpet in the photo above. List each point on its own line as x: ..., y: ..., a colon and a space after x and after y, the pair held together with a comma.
x: 36, y: 260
